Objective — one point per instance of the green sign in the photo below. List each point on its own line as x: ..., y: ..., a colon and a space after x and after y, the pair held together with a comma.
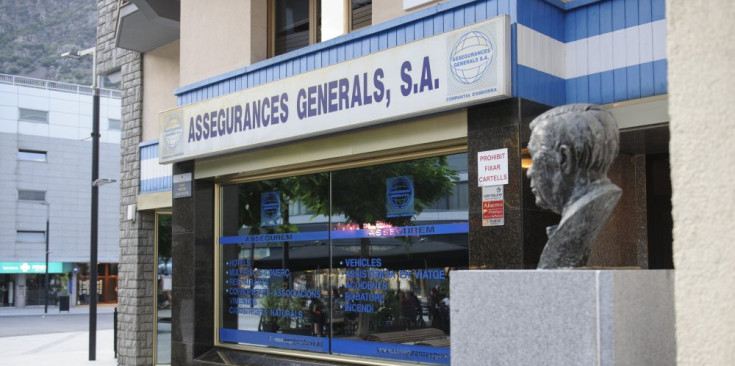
x: 34, y: 267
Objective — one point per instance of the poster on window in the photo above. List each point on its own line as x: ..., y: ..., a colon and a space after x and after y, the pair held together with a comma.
x: 399, y: 196
x: 270, y: 209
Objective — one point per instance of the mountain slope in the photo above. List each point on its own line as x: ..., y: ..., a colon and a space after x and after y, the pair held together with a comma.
x: 33, y: 33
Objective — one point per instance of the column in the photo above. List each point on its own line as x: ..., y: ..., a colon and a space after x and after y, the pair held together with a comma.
x: 192, y: 316
x: 518, y: 243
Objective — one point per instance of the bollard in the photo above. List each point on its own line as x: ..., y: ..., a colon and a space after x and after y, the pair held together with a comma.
x: 114, y: 333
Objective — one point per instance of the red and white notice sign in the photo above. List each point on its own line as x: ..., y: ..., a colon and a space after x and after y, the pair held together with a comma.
x: 492, y: 167
x: 493, y: 206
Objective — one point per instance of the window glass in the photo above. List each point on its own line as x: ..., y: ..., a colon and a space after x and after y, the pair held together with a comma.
x: 292, y: 25
x: 275, y: 264
x: 113, y: 124
x: 31, y: 236
x: 393, y: 256
x: 27, y: 195
x: 362, y: 14
x: 31, y: 155
x: 295, y: 22
x: 32, y: 115
x: 356, y: 259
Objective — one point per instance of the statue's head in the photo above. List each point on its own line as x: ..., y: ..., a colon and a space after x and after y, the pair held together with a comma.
x: 571, y: 146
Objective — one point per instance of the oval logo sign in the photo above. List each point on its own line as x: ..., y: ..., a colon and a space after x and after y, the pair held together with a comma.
x: 172, y: 132
x: 471, y: 56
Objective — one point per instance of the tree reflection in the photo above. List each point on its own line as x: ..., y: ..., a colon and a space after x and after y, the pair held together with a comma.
x: 361, y: 196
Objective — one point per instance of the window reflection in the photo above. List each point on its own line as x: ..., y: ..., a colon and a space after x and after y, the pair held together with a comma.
x: 297, y: 24
x: 275, y: 265
x: 392, y: 234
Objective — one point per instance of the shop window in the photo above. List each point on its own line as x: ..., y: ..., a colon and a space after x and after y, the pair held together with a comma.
x: 361, y: 14
x: 293, y: 24
x: 32, y: 115
x: 32, y: 155
x: 457, y: 201
x: 28, y: 195
x: 365, y: 273
x: 299, y: 208
x: 35, y: 289
x: 106, y: 283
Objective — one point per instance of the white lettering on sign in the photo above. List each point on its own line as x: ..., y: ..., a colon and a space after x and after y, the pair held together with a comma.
x: 492, y: 167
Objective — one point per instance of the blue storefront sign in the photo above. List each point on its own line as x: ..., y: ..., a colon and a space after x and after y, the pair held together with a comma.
x: 34, y: 267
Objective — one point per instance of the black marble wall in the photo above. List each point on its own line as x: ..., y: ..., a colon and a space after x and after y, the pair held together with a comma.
x: 192, y: 318
x: 518, y: 243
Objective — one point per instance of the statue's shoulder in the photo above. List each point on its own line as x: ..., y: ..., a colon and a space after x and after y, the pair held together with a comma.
x: 570, y: 242
x: 591, y: 211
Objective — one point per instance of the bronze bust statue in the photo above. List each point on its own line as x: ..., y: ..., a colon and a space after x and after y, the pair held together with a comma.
x: 572, y: 148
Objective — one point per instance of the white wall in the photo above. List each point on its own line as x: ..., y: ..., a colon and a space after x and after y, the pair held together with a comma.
x: 161, y: 70
x: 384, y: 10
x: 221, y: 38
x: 702, y: 108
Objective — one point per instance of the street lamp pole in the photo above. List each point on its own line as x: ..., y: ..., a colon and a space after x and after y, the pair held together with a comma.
x: 95, y: 209
x: 45, y: 276
x: 95, y: 198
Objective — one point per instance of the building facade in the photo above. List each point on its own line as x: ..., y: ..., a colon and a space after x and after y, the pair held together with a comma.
x: 299, y: 179
x: 45, y: 130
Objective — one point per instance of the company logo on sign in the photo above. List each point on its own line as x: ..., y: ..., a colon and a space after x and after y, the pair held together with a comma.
x: 25, y: 267
x: 497, y: 195
x: 471, y: 57
x: 172, y: 131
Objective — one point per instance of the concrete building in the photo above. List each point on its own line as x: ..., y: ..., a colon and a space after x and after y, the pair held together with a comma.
x: 284, y: 160
x: 46, y: 166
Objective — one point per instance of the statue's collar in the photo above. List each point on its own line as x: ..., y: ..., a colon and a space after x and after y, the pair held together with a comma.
x: 591, y: 191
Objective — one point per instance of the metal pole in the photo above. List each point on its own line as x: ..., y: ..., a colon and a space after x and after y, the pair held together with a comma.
x: 331, y: 267
x: 45, y: 276
x: 114, y: 337
x: 95, y: 204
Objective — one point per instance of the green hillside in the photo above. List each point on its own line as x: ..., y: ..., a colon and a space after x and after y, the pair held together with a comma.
x: 33, y: 33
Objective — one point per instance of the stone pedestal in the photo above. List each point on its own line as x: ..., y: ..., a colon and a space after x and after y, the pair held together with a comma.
x: 575, y: 317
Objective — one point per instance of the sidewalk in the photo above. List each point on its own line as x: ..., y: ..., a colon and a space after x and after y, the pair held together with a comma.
x: 54, y: 310
x: 57, y: 349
